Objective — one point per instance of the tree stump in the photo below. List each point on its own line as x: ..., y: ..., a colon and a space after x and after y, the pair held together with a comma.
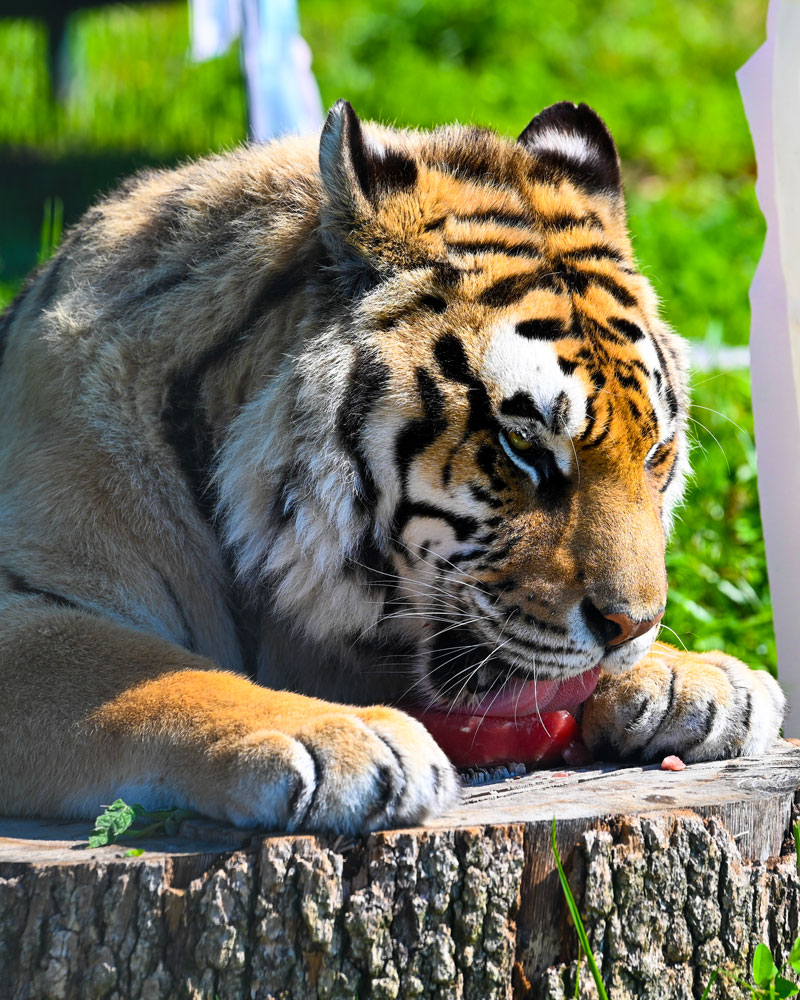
x: 674, y: 873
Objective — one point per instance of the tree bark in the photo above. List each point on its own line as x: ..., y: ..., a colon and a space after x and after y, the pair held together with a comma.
x: 675, y: 875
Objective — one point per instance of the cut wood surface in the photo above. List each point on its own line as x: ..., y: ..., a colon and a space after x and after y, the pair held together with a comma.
x: 675, y: 873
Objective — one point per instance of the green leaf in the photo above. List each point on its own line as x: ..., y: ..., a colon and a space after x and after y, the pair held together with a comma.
x: 783, y: 988
x: 118, y: 819
x: 134, y: 852
x: 576, y: 919
x: 764, y: 969
x: 111, y: 823
x: 794, y: 954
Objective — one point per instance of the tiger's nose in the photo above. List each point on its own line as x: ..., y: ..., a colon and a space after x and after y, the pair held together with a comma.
x: 614, y: 628
x: 628, y: 628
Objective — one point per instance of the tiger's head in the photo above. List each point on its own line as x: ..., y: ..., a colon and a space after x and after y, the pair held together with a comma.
x: 489, y: 430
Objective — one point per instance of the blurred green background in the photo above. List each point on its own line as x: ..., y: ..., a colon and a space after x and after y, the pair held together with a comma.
x: 661, y: 73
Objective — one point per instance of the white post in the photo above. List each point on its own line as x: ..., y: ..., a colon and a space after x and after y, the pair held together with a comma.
x: 770, y: 86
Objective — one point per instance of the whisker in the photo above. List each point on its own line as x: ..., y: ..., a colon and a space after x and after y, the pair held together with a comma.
x: 662, y: 625
x: 700, y: 424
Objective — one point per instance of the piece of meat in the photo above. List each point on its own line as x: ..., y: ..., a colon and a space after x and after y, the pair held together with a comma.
x: 671, y: 763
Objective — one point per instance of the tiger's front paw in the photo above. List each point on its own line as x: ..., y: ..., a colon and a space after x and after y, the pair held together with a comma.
x: 700, y: 706
x: 346, y: 770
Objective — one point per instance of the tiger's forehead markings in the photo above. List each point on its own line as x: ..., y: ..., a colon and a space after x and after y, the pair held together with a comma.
x: 531, y: 383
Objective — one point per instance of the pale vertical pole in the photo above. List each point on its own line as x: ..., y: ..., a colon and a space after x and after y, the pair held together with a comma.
x: 770, y: 87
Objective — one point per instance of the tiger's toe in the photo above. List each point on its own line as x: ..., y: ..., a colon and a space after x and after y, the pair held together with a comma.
x: 699, y: 706
x: 374, y: 768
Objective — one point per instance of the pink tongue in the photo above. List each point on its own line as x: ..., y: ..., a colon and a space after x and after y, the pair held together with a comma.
x: 520, y: 698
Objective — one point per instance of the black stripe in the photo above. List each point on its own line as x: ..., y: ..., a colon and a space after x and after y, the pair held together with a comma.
x: 459, y: 557
x: 522, y: 405
x: 511, y: 219
x: 708, y: 725
x: 496, y: 247
x: 588, y: 174
x: 599, y: 439
x: 484, y: 496
x: 566, y: 366
x: 605, y: 281
x: 419, y: 434
x: 509, y: 290
x: 433, y: 302
x: 673, y: 468
x: 452, y: 359
x: 536, y: 647
x: 159, y: 286
x: 542, y: 329
x: 184, y: 418
x: 669, y: 392
x: 388, y: 170
x: 20, y: 585
x: 486, y: 460
x: 627, y: 381
x: 661, y: 454
x: 188, y: 431
x: 499, y: 555
x: 463, y: 527
x: 748, y: 712
x: 590, y: 416
x: 564, y: 221
x: 629, y: 330
x: 597, y: 251
x: 369, y: 379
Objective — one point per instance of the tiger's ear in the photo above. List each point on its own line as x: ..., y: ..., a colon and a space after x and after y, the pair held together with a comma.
x: 357, y: 169
x: 572, y: 141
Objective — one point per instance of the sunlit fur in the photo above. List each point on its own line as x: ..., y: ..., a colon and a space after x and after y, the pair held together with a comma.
x: 256, y: 412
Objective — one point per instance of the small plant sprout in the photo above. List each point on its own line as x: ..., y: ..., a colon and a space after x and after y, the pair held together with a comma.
x: 572, y: 906
x: 123, y: 820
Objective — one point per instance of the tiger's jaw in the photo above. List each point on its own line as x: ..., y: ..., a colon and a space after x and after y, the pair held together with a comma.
x: 490, y: 687
x: 462, y: 671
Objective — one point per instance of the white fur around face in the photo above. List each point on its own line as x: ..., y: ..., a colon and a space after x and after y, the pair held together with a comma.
x: 647, y: 353
x: 517, y: 364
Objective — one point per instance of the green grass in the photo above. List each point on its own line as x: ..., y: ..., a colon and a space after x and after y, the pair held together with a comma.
x: 661, y: 72
x: 719, y: 593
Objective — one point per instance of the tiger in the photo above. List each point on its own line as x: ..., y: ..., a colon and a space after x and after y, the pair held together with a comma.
x: 298, y: 436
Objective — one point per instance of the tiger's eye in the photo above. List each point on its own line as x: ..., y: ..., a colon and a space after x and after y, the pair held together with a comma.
x: 518, y: 442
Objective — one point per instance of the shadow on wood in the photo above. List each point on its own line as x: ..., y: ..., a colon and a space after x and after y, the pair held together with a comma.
x: 675, y: 874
